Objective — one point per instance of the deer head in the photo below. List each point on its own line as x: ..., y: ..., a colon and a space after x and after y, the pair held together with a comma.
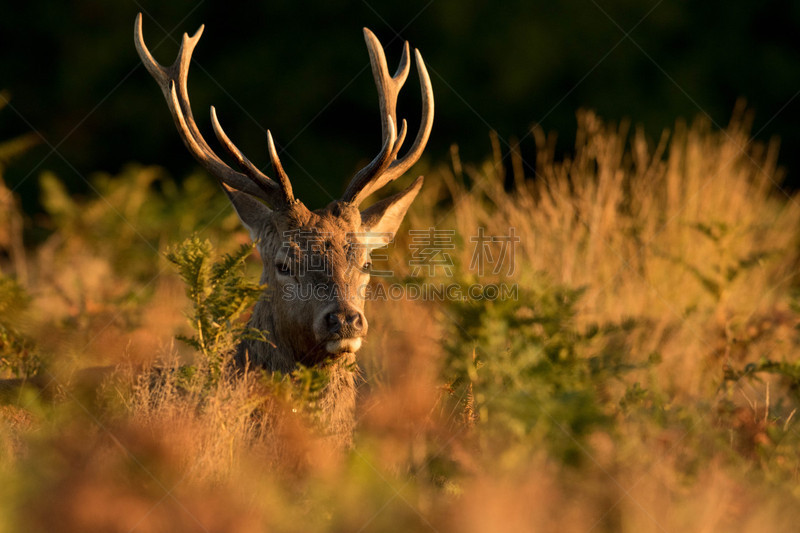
x: 316, y: 263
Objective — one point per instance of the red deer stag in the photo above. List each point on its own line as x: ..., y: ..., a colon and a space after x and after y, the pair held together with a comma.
x: 324, y: 325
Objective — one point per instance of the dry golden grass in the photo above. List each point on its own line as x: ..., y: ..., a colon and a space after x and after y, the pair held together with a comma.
x: 690, y: 238
x: 693, y: 234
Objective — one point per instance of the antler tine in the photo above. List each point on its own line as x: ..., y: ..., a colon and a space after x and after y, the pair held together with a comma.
x: 252, y: 172
x: 400, y: 138
x: 283, y: 178
x: 377, y: 165
x: 388, y: 89
x: 381, y: 171
x: 388, y: 86
x: 173, y: 83
x: 400, y: 166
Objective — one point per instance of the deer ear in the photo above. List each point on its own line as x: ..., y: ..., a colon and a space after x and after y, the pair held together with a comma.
x: 251, y: 212
x: 381, y: 220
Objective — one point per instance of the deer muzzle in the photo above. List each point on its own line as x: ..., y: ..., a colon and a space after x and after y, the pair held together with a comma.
x: 343, y: 330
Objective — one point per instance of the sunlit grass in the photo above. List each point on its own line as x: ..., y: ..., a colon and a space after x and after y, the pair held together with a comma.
x: 644, y: 379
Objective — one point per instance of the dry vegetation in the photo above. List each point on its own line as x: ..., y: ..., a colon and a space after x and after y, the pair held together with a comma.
x: 645, y: 378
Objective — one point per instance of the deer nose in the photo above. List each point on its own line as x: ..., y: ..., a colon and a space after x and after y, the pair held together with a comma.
x: 347, y: 323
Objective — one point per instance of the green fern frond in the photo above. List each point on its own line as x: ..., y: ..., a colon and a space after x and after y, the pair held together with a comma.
x: 220, y: 295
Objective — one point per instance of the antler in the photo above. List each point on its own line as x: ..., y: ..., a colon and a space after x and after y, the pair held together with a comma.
x: 172, y: 81
x: 386, y: 167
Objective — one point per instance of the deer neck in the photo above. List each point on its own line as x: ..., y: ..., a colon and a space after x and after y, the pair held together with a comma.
x: 338, y: 400
x: 276, y: 353
x: 283, y: 351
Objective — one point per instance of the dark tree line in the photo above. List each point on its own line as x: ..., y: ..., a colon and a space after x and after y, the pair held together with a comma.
x: 301, y: 70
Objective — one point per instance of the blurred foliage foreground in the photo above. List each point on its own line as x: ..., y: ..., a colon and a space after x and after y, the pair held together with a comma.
x: 644, y: 377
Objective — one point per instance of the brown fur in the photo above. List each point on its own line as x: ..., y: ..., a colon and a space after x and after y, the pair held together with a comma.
x: 328, y: 254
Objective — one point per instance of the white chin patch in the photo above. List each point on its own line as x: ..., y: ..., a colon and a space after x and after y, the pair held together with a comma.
x: 343, y: 345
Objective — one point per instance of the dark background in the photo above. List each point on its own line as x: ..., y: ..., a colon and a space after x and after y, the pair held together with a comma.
x: 301, y: 70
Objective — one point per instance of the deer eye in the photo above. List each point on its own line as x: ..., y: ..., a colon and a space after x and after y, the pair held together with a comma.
x: 284, y: 269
